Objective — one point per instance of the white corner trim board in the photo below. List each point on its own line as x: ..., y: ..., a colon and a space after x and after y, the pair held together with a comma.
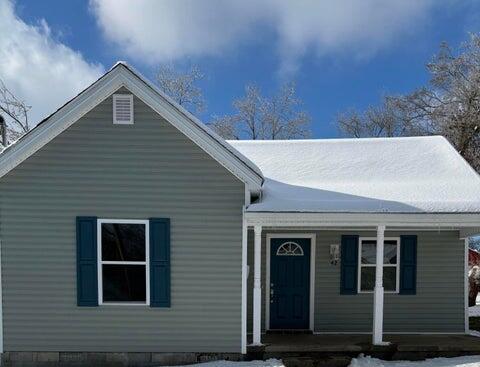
x: 244, y: 282
x: 123, y: 76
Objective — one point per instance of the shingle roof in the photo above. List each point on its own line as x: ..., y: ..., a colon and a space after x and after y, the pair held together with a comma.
x: 417, y: 174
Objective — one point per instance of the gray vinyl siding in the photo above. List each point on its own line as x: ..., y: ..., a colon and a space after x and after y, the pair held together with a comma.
x: 438, y: 305
x: 148, y: 169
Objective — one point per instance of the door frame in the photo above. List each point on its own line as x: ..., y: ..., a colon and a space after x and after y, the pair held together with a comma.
x: 312, y: 238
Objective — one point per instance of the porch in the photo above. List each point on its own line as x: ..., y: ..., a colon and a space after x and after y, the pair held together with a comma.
x: 338, y: 349
x: 359, y: 314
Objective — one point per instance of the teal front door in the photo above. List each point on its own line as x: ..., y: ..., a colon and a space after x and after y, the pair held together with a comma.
x: 289, y: 283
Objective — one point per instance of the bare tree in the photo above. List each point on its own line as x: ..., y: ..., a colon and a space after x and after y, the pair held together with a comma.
x: 225, y: 126
x: 258, y: 117
x: 182, y: 86
x: 15, y: 113
x: 449, y: 105
x: 375, y: 121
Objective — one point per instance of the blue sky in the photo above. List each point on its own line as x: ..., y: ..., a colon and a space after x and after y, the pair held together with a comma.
x: 342, y: 55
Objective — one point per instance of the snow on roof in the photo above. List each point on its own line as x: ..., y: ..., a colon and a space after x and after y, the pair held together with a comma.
x: 417, y: 174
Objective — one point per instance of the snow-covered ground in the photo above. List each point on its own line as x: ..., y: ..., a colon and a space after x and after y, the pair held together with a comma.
x: 361, y: 361
x: 469, y: 361
x: 474, y: 311
x: 267, y: 363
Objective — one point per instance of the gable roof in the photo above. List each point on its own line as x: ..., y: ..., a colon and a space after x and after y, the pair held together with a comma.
x: 381, y: 175
x: 123, y: 75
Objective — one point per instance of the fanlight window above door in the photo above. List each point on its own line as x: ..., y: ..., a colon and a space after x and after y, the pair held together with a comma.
x: 290, y: 249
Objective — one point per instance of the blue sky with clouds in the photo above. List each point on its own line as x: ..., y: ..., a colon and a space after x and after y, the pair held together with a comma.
x: 342, y: 54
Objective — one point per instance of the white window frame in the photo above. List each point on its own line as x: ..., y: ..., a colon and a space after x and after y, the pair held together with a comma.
x: 360, y: 265
x: 114, y: 104
x: 100, y: 262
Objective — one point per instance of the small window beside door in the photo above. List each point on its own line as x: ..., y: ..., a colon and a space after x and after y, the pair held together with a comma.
x: 366, y: 265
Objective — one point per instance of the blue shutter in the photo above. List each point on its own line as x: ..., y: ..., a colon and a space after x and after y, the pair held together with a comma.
x: 408, y: 264
x: 349, y: 265
x: 87, y: 287
x: 160, y: 262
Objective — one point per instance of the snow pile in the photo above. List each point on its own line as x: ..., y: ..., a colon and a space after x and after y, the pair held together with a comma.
x: 468, y: 361
x: 474, y: 311
x: 418, y: 174
x: 267, y: 363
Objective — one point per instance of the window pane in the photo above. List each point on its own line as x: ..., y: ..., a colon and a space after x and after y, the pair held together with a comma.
x: 123, y: 242
x: 390, y: 252
x: 124, y: 283
x: 368, y: 252
x: 369, y: 249
x: 390, y: 278
x: 367, y: 281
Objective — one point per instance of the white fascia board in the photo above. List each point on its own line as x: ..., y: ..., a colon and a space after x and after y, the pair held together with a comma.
x: 399, y: 220
x: 119, y: 77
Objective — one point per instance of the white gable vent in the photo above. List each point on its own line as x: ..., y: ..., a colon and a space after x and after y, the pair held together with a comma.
x: 123, y: 109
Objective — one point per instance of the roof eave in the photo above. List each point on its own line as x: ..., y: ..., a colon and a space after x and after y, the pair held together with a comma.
x: 123, y: 76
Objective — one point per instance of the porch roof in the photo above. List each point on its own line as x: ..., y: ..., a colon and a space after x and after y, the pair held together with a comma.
x: 375, y: 175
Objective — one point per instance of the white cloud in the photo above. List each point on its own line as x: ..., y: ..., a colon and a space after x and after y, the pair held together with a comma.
x: 38, y: 69
x: 156, y: 31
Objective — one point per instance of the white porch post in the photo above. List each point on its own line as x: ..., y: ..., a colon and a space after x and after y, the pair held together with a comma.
x: 378, y: 290
x: 257, y: 287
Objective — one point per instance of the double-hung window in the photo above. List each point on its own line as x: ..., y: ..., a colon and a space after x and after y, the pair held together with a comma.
x: 366, y: 264
x: 123, y: 261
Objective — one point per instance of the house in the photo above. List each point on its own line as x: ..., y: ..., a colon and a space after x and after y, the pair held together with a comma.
x: 128, y: 226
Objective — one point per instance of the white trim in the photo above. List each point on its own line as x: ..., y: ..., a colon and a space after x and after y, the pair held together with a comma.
x: 360, y: 265
x: 257, y: 286
x: 100, y: 262
x: 378, y: 291
x: 117, y: 96
x: 465, y: 287
x: 244, y: 283
x: 123, y: 76
x: 449, y: 221
x: 312, y: 237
